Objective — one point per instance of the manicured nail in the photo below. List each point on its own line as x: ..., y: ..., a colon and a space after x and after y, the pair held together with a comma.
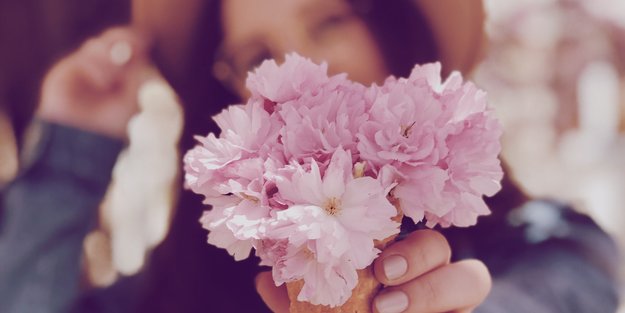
x: 395, y: 266
x: 391, y: 302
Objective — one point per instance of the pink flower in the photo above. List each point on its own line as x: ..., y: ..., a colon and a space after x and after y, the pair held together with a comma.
x: 218, y: 165
x: 305, y: 172
x: 249, y: 127
x: 442, y: 142
x: 404, y: 127
x: 325, y: 283
x: 421, y: 191
x: 334, y: 218
x: 271, y: 251
x: 473, y: 167
x: 203, y: 164
x: 316, y: 125
x: 235, y: 227
x: 288, y: 81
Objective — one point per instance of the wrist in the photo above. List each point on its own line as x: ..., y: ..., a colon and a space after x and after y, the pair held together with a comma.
x: 87, y: 118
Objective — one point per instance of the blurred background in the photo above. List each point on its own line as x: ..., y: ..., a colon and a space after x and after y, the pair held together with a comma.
x: 555, y: 72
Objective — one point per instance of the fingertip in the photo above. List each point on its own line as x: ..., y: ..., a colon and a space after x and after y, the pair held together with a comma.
x: 392, y: 301
x: 124, y: 39
x: 419, y: 253
x: 276, y: 298
x: 480, y: 275
x: 436, y: 237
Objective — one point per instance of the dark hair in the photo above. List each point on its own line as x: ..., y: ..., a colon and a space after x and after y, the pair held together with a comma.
x: 400, y: 30
x: 404, y: 38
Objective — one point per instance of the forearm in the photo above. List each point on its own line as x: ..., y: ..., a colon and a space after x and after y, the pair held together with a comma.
x: 48, y: 210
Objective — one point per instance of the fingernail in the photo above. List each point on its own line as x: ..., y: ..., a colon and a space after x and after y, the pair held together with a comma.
x: 395, y: 266
x: 391, y: 302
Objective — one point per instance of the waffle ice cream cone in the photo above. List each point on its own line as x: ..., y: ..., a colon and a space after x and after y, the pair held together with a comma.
x: 359, y: 302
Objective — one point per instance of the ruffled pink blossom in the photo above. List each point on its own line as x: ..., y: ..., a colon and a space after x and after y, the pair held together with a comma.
x: 219, y: 165
x: 288, y: 81
x: 474, y: 170
x: 421, y: 191
x: 316, y: 125
x: 405, y: 124
x: 249, y: 127
x: 443, y: 142
x: 306, y: 172
x: 334, y: 216
x: 233, y: 227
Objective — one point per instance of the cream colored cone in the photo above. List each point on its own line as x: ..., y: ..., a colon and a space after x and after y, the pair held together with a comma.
x: 359, y: 302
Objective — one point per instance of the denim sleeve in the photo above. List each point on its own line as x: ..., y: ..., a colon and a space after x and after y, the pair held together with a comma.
x: 550, y: 260
x: 47, y: 211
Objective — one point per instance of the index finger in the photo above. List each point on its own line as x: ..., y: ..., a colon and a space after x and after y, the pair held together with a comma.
x: 458, y: 286
x: 138, y: 41
x: 420, y: 252
x: 105, y: 59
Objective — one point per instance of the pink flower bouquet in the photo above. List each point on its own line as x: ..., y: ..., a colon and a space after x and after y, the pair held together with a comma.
x: 315, y: 171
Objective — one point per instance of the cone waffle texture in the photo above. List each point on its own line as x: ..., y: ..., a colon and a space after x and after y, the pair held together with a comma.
x: 359, y: 302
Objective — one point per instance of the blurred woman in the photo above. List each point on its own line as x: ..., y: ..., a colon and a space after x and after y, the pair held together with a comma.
x: 538, y: 256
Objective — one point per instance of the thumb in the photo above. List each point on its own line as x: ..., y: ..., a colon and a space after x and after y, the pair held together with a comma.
x: 276, y: 298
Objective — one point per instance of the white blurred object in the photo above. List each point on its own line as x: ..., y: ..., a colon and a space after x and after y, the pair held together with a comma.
x: 555, y: 74
x: 140, y: 201
x: 610, y: 10
x: 542, y: 29
x: 501, y: 10
x: 598, y: 98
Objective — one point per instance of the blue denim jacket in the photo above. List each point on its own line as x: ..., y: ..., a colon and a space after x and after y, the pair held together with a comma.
x: 47, y: 212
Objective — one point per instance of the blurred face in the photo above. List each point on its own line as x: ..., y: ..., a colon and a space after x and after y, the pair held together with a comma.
x: 323, y: 30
